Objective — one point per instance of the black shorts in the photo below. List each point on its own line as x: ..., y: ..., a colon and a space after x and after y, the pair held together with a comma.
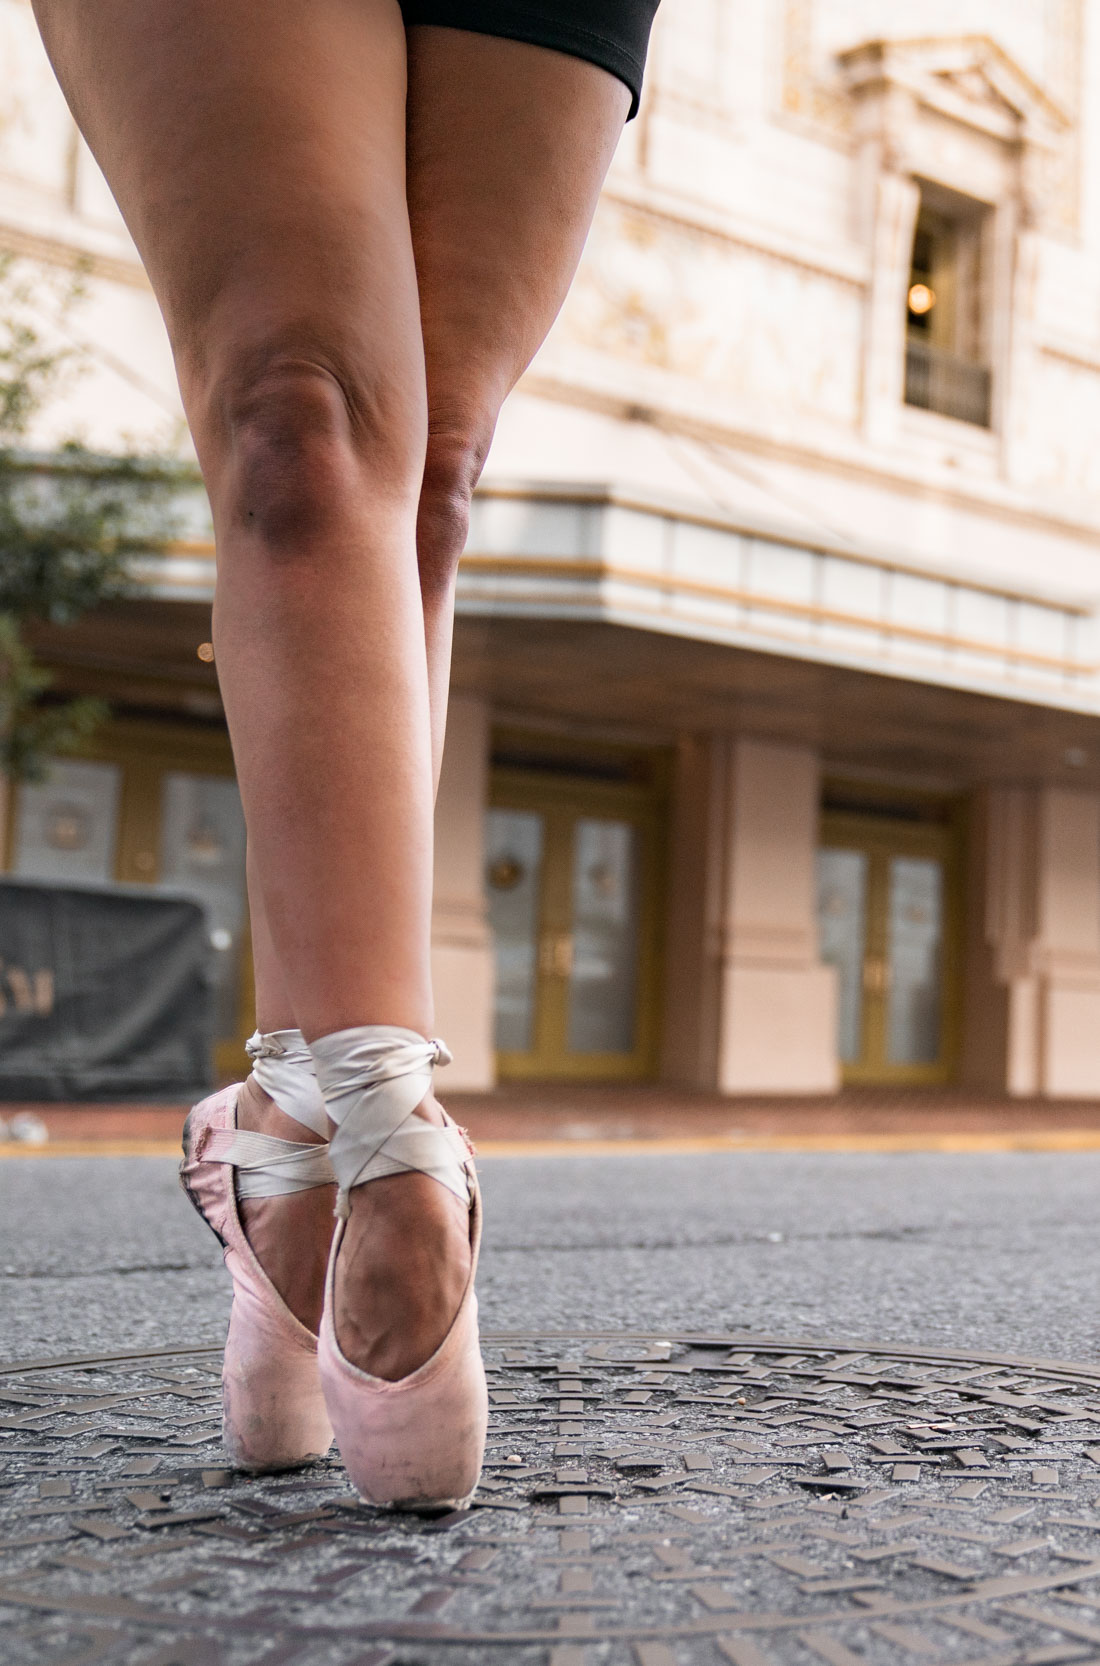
x: 611, y: 33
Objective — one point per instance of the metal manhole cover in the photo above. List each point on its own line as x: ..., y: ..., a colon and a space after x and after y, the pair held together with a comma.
x: 647, y: 1501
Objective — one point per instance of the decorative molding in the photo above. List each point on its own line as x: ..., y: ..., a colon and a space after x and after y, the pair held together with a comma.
x: 968, y: 78
x: 832, y: 453
x: 59, y: 251
x: 814, y: 92
x: 572, y: 494
x: 1082, y: 358
x: 847, y: 265
x: 804, y: 92
x: 823, y: 599
x: 960, y: 111
x: 761, y: 602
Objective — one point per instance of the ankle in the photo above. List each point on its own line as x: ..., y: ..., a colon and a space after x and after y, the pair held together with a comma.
x: 258, y: 1112
x: 431, y: 1111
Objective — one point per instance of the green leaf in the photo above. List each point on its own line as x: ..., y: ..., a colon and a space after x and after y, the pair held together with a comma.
x: 71, y: 525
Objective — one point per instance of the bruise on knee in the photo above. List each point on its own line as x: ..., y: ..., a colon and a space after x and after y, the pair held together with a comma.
x: 301, y: 440
x: 292, y: 456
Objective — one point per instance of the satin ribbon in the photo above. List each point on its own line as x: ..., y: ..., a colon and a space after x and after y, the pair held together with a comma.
x: 372, y: 1079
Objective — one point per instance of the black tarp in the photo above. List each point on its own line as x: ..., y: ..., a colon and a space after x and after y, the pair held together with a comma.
x: 105, y: 993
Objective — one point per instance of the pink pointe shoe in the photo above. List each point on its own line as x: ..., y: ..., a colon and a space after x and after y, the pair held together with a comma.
x: 417, y: 1443
x: 273, y: 1409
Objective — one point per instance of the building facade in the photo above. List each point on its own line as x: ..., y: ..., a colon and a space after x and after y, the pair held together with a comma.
x: 774, y: 753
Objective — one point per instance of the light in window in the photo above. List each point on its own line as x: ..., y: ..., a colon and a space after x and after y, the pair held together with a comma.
x: 947, y: 330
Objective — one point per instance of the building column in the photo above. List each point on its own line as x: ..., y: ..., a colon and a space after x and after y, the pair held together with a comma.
x: 462, y: 950
x: 896, y: 201
x: 750, y: 1007
x: 693, y: 934
x: 1033, y: 987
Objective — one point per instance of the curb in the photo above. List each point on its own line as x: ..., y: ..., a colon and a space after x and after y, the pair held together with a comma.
x: 1035, y: 1140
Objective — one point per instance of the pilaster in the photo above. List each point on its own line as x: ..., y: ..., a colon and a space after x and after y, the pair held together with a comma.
x: 462, y: 953
x: 777, y: 1000
x: 1033, y: 1021
x: 749, y: 1006
x: 693, y: 924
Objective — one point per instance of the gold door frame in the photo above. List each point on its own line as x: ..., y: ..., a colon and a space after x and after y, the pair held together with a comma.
x: 880, y: 838
x: 144, y: 752
x: 561, y: 801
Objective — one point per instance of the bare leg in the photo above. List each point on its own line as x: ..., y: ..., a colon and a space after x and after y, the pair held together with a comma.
x: 508, y: 145
x: 266, y: 192
x: 507, y: 148
x: 290, y: 1234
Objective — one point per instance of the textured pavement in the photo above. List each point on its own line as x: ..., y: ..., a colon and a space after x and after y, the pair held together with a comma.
x: 993, y: 1252
x: 661, y: 1500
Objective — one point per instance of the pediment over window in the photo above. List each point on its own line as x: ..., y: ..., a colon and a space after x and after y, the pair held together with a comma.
x: 966, y: 78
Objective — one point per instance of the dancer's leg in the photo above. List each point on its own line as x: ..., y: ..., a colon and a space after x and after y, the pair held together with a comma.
x: 274, y: 1007
x: 508, y: 145
x: 257, y: 149
x: 265, y: 190
x: 289, y: 1234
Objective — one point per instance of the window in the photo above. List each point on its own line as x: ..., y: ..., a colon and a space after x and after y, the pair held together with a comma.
x: 946, y: 358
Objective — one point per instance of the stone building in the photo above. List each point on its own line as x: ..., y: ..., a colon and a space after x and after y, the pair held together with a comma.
x: 774, y: 757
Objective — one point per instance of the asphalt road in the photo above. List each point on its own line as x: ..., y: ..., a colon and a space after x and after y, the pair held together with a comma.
x: 994, y: 1253
x: 974, y: 1253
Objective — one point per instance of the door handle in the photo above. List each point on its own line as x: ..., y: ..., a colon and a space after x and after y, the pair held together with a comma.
x: 876, y: 977
x: 556, y: 954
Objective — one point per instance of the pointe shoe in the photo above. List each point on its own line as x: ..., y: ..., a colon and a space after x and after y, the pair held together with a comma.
x: 417, y: 1443
x: 273, y: 1409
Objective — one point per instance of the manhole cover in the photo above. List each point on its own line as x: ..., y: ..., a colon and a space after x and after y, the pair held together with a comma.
x: 647, y: 1501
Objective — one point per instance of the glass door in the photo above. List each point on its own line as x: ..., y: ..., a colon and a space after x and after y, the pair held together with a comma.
x: 570, y: 877
x: 65, y: 827
x: 202, y: 853
x: 887, y: 907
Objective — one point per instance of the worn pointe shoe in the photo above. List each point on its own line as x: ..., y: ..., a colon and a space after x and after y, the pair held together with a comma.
x: 417, y: 1443
x: 273, y: 1410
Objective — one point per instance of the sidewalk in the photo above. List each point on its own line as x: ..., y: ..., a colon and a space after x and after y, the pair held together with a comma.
x: 552, y: 1119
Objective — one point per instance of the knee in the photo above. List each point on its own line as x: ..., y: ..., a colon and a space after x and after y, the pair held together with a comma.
x: 452, y: 467
x: 304, y: 439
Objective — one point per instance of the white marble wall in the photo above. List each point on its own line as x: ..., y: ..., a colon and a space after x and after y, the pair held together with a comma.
x: 743, y: 278
x: 747, y: 269
x: 55, y: 211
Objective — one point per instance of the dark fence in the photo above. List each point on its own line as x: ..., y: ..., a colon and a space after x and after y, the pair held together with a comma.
x: 942, y: 382
x: 105, y: 993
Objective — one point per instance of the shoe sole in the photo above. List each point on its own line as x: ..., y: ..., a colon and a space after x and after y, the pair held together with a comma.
x: 427, y: 1506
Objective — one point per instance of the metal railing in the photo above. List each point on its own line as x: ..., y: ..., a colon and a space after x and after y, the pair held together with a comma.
x: 942, y: 382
